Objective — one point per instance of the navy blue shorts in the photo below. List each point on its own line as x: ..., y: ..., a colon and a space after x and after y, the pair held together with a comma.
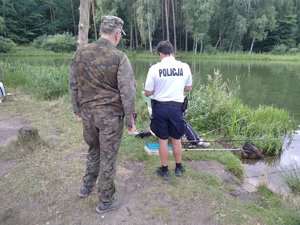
x: 167, y: 120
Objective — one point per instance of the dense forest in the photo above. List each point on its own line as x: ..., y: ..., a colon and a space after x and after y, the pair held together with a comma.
x: 191, y: 25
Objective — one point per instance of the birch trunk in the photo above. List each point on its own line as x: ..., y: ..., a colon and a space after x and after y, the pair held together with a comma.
x: 174, y: 26
x: 186, y: 28
x: 167, y: 18
x: 149, y: 36
x: 252, y: 44
x: 83, y: 26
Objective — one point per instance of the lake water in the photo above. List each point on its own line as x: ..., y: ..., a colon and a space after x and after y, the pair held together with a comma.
x: 270, y: 83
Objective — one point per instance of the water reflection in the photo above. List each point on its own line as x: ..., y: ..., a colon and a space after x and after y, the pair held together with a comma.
x: 290, y: 157
x: 271, y: 171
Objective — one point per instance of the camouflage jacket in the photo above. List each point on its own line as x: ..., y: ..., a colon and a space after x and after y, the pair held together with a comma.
x: 102, y: 82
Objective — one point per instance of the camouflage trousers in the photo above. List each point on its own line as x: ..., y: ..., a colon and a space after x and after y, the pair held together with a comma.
x: 103, y: 136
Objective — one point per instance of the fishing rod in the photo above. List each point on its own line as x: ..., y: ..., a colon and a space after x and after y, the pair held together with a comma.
x: 230, y: 140
x: 148, y: 132
x: 212, y: 149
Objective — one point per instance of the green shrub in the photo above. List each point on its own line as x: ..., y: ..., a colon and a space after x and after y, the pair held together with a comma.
x: 39, y: 41
x: 279, y: 49
x: 51, y: 85
x: 210, y: 50
x: 6, y: 44
x: 293, y: 51
x: 217, y: 110
x: 57, y: 43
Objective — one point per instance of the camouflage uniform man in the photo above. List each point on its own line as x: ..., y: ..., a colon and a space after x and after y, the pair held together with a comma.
x: 102, y: 87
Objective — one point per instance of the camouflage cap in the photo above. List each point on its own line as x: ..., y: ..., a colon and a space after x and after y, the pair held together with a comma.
x: 113, y: 22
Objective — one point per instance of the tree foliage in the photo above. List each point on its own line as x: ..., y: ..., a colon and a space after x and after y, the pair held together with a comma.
x: 24, y: 20
x: 198, y: 25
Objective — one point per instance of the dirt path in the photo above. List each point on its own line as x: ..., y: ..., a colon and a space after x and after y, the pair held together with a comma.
x: 143, y: 201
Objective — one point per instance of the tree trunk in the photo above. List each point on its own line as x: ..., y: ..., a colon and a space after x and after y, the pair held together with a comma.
x: 201, y: 46
x: 230, y: 46
x: 195, y: 46
x: 167, y: 18
x: 174, y: 27
x: 3, y: 9
x: 136, y: 35
x: 150, y: 43
x: 27, y: 134
x: 131, y: 35
x: 252, y: 44
x: 51, y: 15
x: 94, y: 18
x: 83, y: 26
x: 149, y: 35
x: 162, y: 19
x: 180, y: 30
x: 219, y: 39
x: 186, y: 28
x: 73, y: 17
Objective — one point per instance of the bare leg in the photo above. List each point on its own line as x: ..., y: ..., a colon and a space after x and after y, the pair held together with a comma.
x: 177, y: 150
x: 163, y: 151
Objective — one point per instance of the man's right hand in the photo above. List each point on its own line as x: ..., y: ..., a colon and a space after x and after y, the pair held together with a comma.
x: 131, y: 130
x: 78, y: 118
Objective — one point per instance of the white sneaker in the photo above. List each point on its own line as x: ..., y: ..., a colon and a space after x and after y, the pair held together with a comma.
x: 203, y: 144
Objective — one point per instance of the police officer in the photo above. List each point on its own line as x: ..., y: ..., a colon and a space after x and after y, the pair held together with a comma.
x: 102, y: 87
x: 167, y: 81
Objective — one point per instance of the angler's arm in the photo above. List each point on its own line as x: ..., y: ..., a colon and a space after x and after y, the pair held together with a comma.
x: 148, y: 93
x: 187, y: 88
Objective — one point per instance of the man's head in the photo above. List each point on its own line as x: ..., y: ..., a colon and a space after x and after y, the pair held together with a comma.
x: 165, y: 48
x: 112, y: 26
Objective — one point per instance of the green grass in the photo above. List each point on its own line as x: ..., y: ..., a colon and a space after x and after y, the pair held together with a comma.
x: 47, y: 80
x: 51, y: 175
x: 292, y: 178
x: 235, y: 56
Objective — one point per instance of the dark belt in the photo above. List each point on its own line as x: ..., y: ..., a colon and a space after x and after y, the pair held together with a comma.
x: 155, y: 102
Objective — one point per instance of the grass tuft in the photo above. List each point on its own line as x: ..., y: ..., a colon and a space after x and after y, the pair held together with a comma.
x: 292, y: 178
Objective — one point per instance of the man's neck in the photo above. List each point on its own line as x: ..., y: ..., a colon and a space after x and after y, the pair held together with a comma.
x: 162, y: 56
x: 109, y: 38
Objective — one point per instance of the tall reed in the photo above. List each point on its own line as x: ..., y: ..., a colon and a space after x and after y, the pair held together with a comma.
x: 215, y: 108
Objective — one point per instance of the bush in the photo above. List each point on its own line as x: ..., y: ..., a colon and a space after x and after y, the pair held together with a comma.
x: 6, y: 44
x: 279, y: 49
x: 57, y: 43
x: 51, y: 85
x: 38, y: 42
x: 210, y: 50
x: 293, y: 51
x: 216, y: 109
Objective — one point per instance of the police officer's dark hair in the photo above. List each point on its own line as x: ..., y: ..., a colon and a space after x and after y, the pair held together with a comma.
x: 165, y: 47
